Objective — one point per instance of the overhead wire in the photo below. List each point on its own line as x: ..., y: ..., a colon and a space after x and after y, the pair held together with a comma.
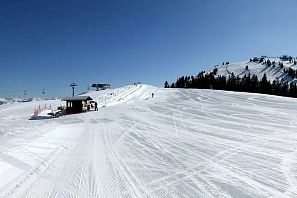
x: 33, y: 90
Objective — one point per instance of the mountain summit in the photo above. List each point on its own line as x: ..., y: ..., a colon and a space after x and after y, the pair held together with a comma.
x: 282, y: 68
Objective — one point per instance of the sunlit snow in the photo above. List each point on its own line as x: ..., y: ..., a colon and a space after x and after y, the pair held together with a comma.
x: 181, y: 143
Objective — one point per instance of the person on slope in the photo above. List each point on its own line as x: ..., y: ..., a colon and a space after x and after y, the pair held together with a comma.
x: 96, y: 106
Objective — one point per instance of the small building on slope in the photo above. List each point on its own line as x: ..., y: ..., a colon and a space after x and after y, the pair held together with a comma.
x: 77, y: 104
x: 101, y: 86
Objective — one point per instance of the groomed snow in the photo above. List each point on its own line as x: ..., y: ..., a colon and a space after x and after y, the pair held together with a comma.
x: 181, y: 143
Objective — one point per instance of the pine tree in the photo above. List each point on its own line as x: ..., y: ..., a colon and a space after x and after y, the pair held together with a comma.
x: 231, y: 82
x: 264, y: 85
x: 284, y: 89
x: 166, y: 85
x: 254, y: 84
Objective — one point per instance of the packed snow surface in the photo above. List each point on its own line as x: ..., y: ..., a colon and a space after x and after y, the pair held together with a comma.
x: 181, y: 143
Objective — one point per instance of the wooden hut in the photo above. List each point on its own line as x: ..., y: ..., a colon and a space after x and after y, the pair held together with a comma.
x: 77, y: 104
x: 101, y: 86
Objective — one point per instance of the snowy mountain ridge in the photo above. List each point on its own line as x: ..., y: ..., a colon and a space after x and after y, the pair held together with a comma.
x: 20, y: 100
x: 11, y: 100
x: 275, y: 68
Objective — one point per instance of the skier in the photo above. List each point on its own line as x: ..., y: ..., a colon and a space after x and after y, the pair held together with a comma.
x: 152, y: 95
x: 96, y: 106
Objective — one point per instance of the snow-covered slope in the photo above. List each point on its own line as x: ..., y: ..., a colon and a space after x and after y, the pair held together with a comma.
x: 9, y: 100
x: 125, y: 94
x: 181, y: 143
x: 18, y: 100
x: 273, y: 72
x: 3, y: 101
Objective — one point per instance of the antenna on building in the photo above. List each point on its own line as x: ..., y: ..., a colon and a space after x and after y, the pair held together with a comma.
x: 73, y: 85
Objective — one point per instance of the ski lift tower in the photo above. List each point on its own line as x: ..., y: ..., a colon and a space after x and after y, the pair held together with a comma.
x: 73, y: 85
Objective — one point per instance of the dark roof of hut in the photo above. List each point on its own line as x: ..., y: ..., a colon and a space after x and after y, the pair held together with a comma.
x: 77, y: 98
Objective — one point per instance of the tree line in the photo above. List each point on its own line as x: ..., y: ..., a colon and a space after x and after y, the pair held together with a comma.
x: 246, y: 83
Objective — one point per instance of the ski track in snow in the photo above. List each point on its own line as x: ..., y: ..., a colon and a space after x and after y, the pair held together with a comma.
x: 181, y: 143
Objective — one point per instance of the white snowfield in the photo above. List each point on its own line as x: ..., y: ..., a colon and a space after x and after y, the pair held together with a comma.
x: 181, y: 143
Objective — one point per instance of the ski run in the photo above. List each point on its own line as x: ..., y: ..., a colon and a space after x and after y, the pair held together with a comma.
x: 180, y: 143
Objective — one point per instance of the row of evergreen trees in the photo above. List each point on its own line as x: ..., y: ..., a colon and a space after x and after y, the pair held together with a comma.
x: 291, y: 72
x: 232, y: 83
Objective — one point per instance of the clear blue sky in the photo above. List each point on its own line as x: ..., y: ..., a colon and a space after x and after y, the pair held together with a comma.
x: 49, y: 43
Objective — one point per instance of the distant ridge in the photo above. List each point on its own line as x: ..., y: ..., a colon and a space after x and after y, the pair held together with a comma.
x: 267, y: 75
x: 20, y: 100
x: 275, y: 68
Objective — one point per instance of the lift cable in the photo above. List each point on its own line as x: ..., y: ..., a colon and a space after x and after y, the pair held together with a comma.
x: 33, y: 90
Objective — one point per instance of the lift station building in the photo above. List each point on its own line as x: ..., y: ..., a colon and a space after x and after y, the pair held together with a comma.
x: 77, y: 104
